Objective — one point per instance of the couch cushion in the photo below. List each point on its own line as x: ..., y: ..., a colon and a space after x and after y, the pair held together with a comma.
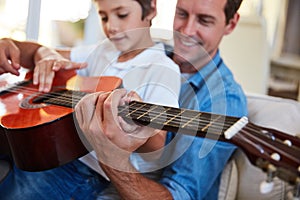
x: 272, y: 112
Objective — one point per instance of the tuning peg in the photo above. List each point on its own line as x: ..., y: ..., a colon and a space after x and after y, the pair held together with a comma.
x: 292, y: 195
x: 297, y: 189
x: 288, y: 142
x: 267, y: 186
x: 295, y: 193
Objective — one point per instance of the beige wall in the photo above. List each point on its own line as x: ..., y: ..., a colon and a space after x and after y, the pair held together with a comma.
x: 246, y: 52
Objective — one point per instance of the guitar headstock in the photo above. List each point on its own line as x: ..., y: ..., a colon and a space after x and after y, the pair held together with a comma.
x: 275, y: 152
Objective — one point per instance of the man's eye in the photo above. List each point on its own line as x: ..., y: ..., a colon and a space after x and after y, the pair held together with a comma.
x: 181, y: 14
x: 205, y: 21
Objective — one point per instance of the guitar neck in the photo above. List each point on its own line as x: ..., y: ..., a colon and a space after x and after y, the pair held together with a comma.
x: 191, y: 122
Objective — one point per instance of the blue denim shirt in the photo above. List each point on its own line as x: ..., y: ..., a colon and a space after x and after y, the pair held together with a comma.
x: 195, y: 173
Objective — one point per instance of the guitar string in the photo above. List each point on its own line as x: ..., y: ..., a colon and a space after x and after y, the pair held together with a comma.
x: 66, y: 99
x: 256, y: 129
x: 28, y: 91
x: 253, y: 128
x: 63, y: 99
x: 263, y: 142
x: 176, y: 119
x: 182, y: 118
x: 287, y: 153
x: 250, y: 127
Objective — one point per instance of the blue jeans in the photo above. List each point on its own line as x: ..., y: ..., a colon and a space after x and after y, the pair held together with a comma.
x: 71, y: 181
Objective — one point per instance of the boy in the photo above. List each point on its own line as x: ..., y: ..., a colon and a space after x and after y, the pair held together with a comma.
x: 129, y: 53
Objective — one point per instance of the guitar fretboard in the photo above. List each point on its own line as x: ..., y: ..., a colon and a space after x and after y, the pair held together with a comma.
x: 160, y: 117
x: 177, y: 120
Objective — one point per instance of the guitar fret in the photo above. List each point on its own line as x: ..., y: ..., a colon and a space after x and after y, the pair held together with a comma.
x: 174, y: 117
x: 157, y: 116
x: 136, y: 109
x: 145, y: 113
x: 209, y: 124
x: 188, y: 122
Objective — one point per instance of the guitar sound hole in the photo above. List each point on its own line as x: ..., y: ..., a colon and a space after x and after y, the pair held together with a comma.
x: 26, y: 103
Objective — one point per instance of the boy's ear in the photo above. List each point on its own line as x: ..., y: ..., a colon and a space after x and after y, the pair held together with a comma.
x: 153, y: 12
x: 232, y: 23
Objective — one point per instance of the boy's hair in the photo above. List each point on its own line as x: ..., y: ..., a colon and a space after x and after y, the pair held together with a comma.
x: 231, y: 8
x: 146, y: 7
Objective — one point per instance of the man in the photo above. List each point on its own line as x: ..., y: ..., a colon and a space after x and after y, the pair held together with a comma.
x: 195, y: 173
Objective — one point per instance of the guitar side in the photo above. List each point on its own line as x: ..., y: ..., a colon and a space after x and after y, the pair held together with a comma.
x: 43, y: 136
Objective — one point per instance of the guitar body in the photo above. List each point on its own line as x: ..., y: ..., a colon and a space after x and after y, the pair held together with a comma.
x: 41, y: 136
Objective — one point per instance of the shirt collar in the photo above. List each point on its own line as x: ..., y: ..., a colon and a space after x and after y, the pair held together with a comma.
x: 206, y: 71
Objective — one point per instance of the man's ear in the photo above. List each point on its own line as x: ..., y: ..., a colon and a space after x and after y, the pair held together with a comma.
x: 153, y: 12
x: 232, y: 24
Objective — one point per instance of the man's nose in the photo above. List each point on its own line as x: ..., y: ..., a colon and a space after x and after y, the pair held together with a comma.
x: 189, y: 27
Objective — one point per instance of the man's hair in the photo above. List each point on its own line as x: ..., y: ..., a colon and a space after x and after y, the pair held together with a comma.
x: 146, y: 7
x: 231, y: 8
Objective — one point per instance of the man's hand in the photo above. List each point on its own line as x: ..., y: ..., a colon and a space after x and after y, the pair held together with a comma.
x: 9, y: 57
x: 110, y: 136
x: 47, y: 62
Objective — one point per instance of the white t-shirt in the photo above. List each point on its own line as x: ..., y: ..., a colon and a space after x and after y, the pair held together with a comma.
x: 153, y: 75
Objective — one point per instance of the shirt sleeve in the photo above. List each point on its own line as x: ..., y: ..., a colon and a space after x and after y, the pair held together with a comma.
x: 193, y: 174
x: 81, y: 53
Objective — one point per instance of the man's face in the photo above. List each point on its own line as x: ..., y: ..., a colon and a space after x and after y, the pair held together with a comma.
x: 199, y: 26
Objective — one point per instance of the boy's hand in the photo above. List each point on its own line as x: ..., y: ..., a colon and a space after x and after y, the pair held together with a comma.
x: 48, y: 62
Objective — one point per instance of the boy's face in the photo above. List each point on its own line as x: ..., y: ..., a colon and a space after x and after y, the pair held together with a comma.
x: 122, y: 23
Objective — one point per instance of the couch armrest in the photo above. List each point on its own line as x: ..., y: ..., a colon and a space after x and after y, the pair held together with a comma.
x: 270, y: 112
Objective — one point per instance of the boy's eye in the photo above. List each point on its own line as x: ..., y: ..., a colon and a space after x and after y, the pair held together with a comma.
x: 104, y: 19
x: 122, y: 15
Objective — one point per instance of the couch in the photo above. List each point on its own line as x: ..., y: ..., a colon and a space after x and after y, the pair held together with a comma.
x: 240, y: 179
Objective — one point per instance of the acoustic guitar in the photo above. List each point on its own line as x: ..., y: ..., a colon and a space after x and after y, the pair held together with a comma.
x: 42, y: 134
x: 37, y: 133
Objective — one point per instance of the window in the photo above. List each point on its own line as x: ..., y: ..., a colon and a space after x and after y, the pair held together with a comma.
x: 46, y: 21
x: 13, y: 17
